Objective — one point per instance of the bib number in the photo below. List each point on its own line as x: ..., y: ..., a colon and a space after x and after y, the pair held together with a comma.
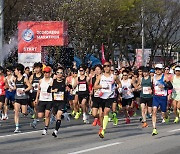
x: 20, y: 92
x: 146, y: 90
x: 45, y: 95
x: 82, y: 87
x: 96, y: 93
x: 59, y: 96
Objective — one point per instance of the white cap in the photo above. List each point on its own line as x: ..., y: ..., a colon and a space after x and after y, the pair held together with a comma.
x: 177, y: 68
x: 159, y: 66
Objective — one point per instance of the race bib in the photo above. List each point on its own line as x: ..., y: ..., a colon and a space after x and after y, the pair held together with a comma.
x: 35, y: 86
x: 96, y: 93
x: 59, y: 96
x: 146, y: 90
x: 20, y: 92
x: 82, y: 87
x: 45, y: 95
x: 159, y: 91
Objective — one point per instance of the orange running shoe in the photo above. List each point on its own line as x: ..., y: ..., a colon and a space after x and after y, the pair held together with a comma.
x: 98, y: 122
x: 144, y: 124
x: 95, y: 122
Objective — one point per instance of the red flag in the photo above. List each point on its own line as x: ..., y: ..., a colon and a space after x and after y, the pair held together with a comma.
x: 103, y: 60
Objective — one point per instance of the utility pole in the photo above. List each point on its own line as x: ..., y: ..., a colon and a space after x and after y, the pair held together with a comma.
x: 1, y: 30
x: 142, y: 32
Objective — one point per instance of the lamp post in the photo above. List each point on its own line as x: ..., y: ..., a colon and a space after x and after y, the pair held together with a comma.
x: 142, y: 32
x: 1, y: 31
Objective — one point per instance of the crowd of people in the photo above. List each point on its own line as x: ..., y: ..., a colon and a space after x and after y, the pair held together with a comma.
x: 101, y: 92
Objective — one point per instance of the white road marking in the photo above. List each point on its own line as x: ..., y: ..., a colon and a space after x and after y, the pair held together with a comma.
x: 95, y: 148
x: 175, y: 130
x: 20, y: 134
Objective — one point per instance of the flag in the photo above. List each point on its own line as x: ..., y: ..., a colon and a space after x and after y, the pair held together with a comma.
x: 103, y: 60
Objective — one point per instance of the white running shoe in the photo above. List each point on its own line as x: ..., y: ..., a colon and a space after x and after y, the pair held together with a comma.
x: 163, y: 121
x: 44, y: 132
x: 54, y: 133
x: 17, y: 130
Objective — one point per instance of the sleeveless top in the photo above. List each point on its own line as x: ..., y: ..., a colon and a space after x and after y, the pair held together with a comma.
x: 2, y: 85
x: 10, y: 82
x: 35, y: 82
x: 83, y: 87
x: 176, y: 88
x: 109, y: 82
x: 44, y: 95
x: 20, y: 87
x: 146, y: 85
x: 127, y: 89
x: 156, y: 83
x: 60, y: 94
x: 96, y: 93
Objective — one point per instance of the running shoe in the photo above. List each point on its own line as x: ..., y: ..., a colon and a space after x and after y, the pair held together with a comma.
x: 44, y: 132
x: 127, y: 121
x: 144, y: 124
x: 167, y: 120
x: 100, y: 130
x: 54, y: 133
x: 101, y: 134
x: 130, y: 113
x: 163, y: 121
x: 95, y: 122
x: 135, y: 114
x: 176, y: 120
x: 115, y: 119
x: 98, y: 122
x: 17, y: 130
x: 154, y: 132
x: 5, y: 117
x: 73, y: 113
x: 33, y: 116
x: 77, y: 115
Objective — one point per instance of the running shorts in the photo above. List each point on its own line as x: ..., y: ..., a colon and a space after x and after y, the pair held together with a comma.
x: 44, y: 105
x: 22, y: 101
x: 146, y: 101
x: 10, y: 95
x: 81, y: 97
x: 126, y: 102
x: 2, y: 98
x: 58, y: 105
x: 160, y: 101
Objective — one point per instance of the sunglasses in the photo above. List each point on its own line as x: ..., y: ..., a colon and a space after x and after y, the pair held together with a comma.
x: 177, y: 71
x: 167, y: 69
x: 81, y: 70
x: 125, y: 75
x: 106, y: 65
x: 139, y: 71
x: 59, y: 72
x: 157, y: 69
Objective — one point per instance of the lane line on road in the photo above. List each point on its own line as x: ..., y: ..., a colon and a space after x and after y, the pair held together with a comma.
x: 95, y: 148
x: 175, y: 130
x: 19, y: 134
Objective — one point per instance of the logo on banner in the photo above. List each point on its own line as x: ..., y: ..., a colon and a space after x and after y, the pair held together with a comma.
x: 28, y: 35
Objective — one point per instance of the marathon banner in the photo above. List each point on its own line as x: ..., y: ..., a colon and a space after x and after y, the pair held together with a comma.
x: 33, y: 35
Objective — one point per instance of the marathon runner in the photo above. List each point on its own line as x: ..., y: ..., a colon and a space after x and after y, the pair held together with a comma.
x: 10, y: 89
x: 146, y: 96
x: 105, y: 82
x: 34, y: 80
x: 58, y: 88
x: 22, y: 86
x: 160, y: 85
x: 176, y: 94
x: 2, y: 93
x: 44, y: 98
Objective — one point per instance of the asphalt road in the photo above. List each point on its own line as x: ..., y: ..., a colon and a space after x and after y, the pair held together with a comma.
x: 75, y: 137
